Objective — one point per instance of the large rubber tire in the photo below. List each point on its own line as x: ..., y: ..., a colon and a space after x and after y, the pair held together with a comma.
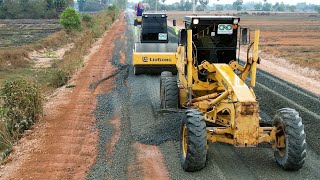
x: 193, y: 141
x: 169, y: 94
x: 289, y: 123
x: 165, y: 74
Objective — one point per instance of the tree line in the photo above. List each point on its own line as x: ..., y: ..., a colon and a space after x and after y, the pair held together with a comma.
x: 32, y: 9
x: 48, y: 9
x: 97, y: 5
x: 201, y: 5
x: 278, y: 6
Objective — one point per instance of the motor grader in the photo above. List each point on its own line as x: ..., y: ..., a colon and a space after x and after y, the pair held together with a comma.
x: 217, y: 92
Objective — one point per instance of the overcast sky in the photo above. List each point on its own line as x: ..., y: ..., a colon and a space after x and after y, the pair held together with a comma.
x: 231, y: 1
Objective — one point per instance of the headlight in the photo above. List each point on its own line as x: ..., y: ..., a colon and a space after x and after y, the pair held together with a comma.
x: 195, y: 21
x: 235, y: 21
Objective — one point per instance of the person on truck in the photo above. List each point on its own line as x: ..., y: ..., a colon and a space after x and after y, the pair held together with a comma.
x: 139, y: 10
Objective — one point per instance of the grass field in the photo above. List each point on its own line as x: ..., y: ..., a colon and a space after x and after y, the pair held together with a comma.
x: 25, y: 31
x: 292, y: 36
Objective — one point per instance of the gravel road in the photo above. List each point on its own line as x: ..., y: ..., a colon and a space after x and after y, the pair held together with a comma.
x: 110, y: 126
x: 135, y: 100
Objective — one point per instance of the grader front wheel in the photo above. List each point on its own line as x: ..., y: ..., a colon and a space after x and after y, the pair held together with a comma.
x: 193, y: 142
x: 290, y: 139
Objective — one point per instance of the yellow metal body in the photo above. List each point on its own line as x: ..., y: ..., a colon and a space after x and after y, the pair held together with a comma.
x: 156, y: 58
x: 224, y: 98
x: 139, y: 19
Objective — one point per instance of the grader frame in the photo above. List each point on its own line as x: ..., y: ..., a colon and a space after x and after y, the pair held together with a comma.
x: 223, y: 108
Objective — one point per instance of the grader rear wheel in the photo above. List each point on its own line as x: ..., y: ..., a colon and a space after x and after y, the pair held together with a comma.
x: 290, y: 139
x: 166, y: 74
x: 169, y: 96
x: 193, y: 142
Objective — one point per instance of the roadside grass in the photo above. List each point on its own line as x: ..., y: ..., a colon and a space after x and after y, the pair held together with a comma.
x: 15, y: 57
x: 26, y: 85
x: 20, y: 107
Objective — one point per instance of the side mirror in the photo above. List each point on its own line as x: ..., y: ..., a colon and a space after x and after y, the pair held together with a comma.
x: 245, y: 36
x: 182, y: 41
x: 174, y: 22
x: 135, y: 22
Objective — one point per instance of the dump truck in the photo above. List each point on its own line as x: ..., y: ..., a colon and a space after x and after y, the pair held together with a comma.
x: 218, y: 96
x: 154, y: 38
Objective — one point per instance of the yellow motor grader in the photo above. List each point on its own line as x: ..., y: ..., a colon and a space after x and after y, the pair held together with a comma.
x: 218, y: 93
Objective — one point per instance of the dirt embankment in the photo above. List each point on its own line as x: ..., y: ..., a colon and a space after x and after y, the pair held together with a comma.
x: 66, y: 148
x: 301, y: 76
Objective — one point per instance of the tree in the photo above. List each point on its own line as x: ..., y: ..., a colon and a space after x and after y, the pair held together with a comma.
x: 188, y: 5
x: 266, y: 6
x: 81, y: 4
x: 182, y: 5
x: 275, y: 6
x: 278, y: 7
x: 258, y: 6
x: 204, y: 2
x: 152, y: 3
x: 70, y: 19
x: 302, y: 6
x: 237, y: 5
x: 292, y: 8
x: 92, y: 5
x: 60, y: 5
x: 281, y: 7
x: 219, y: 7
x: 317, y: 8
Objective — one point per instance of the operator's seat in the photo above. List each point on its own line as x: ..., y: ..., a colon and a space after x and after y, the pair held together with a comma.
x: 209, y: 54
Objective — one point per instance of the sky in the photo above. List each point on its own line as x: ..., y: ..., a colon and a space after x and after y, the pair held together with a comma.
x: 292, y: 2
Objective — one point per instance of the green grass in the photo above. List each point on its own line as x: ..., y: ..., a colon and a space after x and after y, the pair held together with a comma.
x: 15, y: 66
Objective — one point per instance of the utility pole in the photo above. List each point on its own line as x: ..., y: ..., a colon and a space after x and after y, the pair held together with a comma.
x: 193, y: 7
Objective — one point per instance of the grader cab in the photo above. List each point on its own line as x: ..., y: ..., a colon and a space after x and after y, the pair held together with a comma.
x: 220, y: 104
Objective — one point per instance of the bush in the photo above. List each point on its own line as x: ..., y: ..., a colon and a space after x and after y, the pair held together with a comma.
x: 88, y: 20
x: 70, y: 19
x: 6, y: 141
x: 23, y: 102
x: 59, y: 78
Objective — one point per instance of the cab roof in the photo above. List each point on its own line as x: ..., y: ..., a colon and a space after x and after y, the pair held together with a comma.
x: 217, y: 18
x: 154, y: 15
